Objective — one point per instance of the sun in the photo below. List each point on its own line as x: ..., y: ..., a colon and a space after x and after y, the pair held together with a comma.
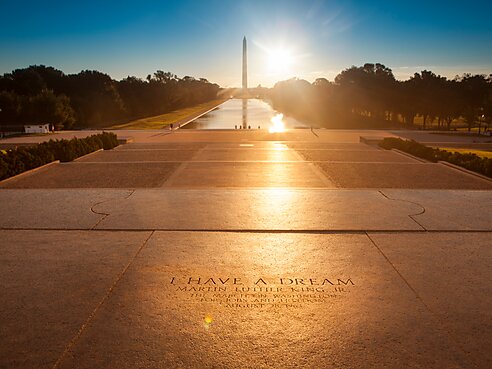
x: 279, y: 61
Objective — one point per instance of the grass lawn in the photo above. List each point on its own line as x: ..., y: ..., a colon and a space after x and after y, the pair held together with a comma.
x: 174, y: 117
x: 481, y: 153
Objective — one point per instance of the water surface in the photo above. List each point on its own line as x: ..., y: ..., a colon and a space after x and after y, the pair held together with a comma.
x: 242, y: 113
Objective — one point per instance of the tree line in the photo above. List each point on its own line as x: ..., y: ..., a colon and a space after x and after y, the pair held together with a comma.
x: 40, y: 94
x: 369, y: 96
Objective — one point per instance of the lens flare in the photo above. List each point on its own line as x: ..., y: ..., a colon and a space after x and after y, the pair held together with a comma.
x: 207, y: 321
x: 277, y: 124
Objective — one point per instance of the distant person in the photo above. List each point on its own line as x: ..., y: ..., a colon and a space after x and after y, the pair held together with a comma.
x: 171, y: 125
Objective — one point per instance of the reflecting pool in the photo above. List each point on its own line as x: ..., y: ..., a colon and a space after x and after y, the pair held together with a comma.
x: 244, y: 113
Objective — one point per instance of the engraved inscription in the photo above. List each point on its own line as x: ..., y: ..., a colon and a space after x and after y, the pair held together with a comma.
x: 260, y: 292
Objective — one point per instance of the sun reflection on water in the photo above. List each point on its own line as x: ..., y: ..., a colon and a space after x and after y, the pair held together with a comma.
x: 278, y: 124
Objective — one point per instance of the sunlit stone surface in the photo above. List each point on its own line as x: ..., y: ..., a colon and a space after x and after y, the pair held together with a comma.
x: 246, y: 249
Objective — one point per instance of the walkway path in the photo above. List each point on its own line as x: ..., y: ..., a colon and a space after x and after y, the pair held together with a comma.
x: 246, y: 249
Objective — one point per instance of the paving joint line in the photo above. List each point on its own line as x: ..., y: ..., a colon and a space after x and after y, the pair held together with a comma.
x: 197, y: 153
x: 92, y: 315
x: 244, y: 161
x: 466, y: 171
x: 411, y: 216
x: 160, y: 134
x: 105, y: 215
x: 250, y: 230
x: 405, y: 154
x: 314, y: 133
x: 442, y: 325
x: 81, y: 158
x: 177, y: 172
x: 315, y: 169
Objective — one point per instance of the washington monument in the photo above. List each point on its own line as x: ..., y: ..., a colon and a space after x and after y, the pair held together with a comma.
x: 245, y: 66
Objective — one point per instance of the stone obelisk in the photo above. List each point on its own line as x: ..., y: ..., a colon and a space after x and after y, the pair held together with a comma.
x: 245, y: 67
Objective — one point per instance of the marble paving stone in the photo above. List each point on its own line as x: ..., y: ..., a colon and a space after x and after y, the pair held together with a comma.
x: 265, y: 209
x: 401, y: 175
x: 50, y: 282
x: 53, y: 209
x: 241, y: 174
x: 451, y: 273
x: 247, y: 154
x: 304, y: 275
x: 331, y: 146
x: 246, y: 145
x: 228, y: 300
x: 161, y: 146
x: 355, y: 156
x: 139, y: 155
x: 450, y: 209
x: 97, y: 175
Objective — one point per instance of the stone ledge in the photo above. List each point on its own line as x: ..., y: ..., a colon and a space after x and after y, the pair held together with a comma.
x: 29, y: 172
x: 370, y: 140
x: 86, y: 155
x: 410, y: 156
x: 464, y: 170
x: 125, y: 139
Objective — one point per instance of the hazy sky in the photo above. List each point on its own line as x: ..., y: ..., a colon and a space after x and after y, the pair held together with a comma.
x: 203, y: 38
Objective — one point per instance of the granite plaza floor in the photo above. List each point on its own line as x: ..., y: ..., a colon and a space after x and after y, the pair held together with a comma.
x: 244, y: 249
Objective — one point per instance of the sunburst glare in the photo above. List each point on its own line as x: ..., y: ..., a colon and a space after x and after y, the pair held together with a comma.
x: 279, y: 61
x: 278, y: 124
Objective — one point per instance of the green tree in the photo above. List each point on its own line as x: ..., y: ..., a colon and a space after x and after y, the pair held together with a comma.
x: 474, y: 95
x: 46, y: 107
x: 368, y: 90
x: 10, y: 106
